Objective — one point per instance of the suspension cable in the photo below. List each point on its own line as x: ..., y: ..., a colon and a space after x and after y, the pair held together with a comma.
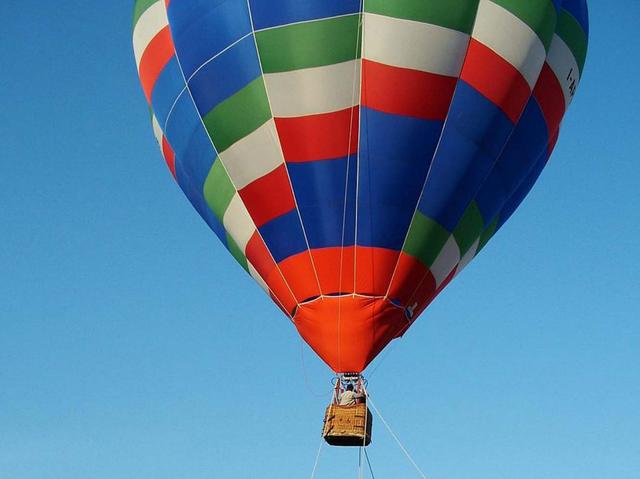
x: 406, y: 453
x: 362, y: 388
x: 305, y: 374
x: 366, y: 455
x: 315, y: 466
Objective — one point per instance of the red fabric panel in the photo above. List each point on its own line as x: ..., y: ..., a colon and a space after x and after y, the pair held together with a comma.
x: 374, y: 267
x: 319, y: 137
x: 259, y: 256
x: 348, y: 332
x: 299, y: 273
x: 333, y: 264
x: 169, y: 155
x: 496, y: 79
x: 158, y: 53
x: 424, y: 303
x: 268, y: 197
x: 412, y: 281
x: 553, y: 141
x: 548, y: 93
x: 406, y: 92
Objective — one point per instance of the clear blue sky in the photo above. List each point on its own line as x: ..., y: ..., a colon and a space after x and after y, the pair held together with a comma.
x: 132, y: 346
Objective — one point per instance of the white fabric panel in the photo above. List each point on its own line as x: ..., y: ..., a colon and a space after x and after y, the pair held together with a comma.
x: 253, y: 156
x: 565, y: 67
x: 256, y: 276
x: 468, y: 256
x: 511, y: 38
x: 313, y: 90
x: 446, y: 261
x: 238, y: 222
x: 157, y: 130
x: 401, y: 43
x: 150, y: 23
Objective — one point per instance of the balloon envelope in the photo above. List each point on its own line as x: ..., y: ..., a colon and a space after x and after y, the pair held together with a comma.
x: 355, y: 155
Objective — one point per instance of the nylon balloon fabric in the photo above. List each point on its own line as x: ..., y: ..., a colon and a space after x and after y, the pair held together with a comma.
x: 355, y: 155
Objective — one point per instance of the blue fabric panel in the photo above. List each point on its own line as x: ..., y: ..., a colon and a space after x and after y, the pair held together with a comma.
x: 198, y: 157
x: 203, y: 28
x: 394, y: 158
x: 269, y: 13
x: 194, y: 158
x: 319, y: 188
x: 194, y: 193
x: 473, y: 138
x: 523, y: 190
x: 283, y: 236
x: 226, y: 75
x: 557, y: 5
x: 167, y: 88
x: 190, y: 141
x: 579, y: 9
x: 528, y: 141
x: 183, y: 120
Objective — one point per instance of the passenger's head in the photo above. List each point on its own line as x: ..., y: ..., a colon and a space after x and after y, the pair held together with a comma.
x: 349, y: 387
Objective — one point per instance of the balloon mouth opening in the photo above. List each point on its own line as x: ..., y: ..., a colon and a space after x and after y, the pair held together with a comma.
x: 349, y: 330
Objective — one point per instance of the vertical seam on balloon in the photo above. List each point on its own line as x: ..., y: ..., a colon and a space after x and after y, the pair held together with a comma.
x: 284, y: 162
x: 485, y: 177
x: 363, y: 86
x: 545, y: 153
x: 173, y: 106
x: 359, y: 39
x: 552, y: 134
x: 544, y: 156
x: 357, y: 192
x: 359, y: 34
x: 195, y: 72
x: 435, y: 152
x: 289, y: 315
x: 209, y: 60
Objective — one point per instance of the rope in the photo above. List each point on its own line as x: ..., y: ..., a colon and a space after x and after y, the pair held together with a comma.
x: 406, y: 453
x: 369, y: 463
x: 357, y: 192
x: 385, y: 354
x: 315, y: 465
x: 306, y: 375
x: 278, y: 145
x: 363, y: 448
x: 193, y: 101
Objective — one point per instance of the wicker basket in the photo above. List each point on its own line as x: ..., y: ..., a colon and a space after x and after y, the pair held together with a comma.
x: 345, y: 425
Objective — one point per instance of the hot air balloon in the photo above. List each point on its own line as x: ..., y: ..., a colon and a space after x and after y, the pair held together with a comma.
x: 355, y: 155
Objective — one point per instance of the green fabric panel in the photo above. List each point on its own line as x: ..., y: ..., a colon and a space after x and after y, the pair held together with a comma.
x: 218, y: 189
x: 425, y: 239
x: 310, y: 44
x: 487, y: 234
x: 540, y: 15
x: 469, y: 228
x: 237, y: 253
x: 238, y: 115
x: 140, y: 7
x: 574, y: 36
x: 455, y: 14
